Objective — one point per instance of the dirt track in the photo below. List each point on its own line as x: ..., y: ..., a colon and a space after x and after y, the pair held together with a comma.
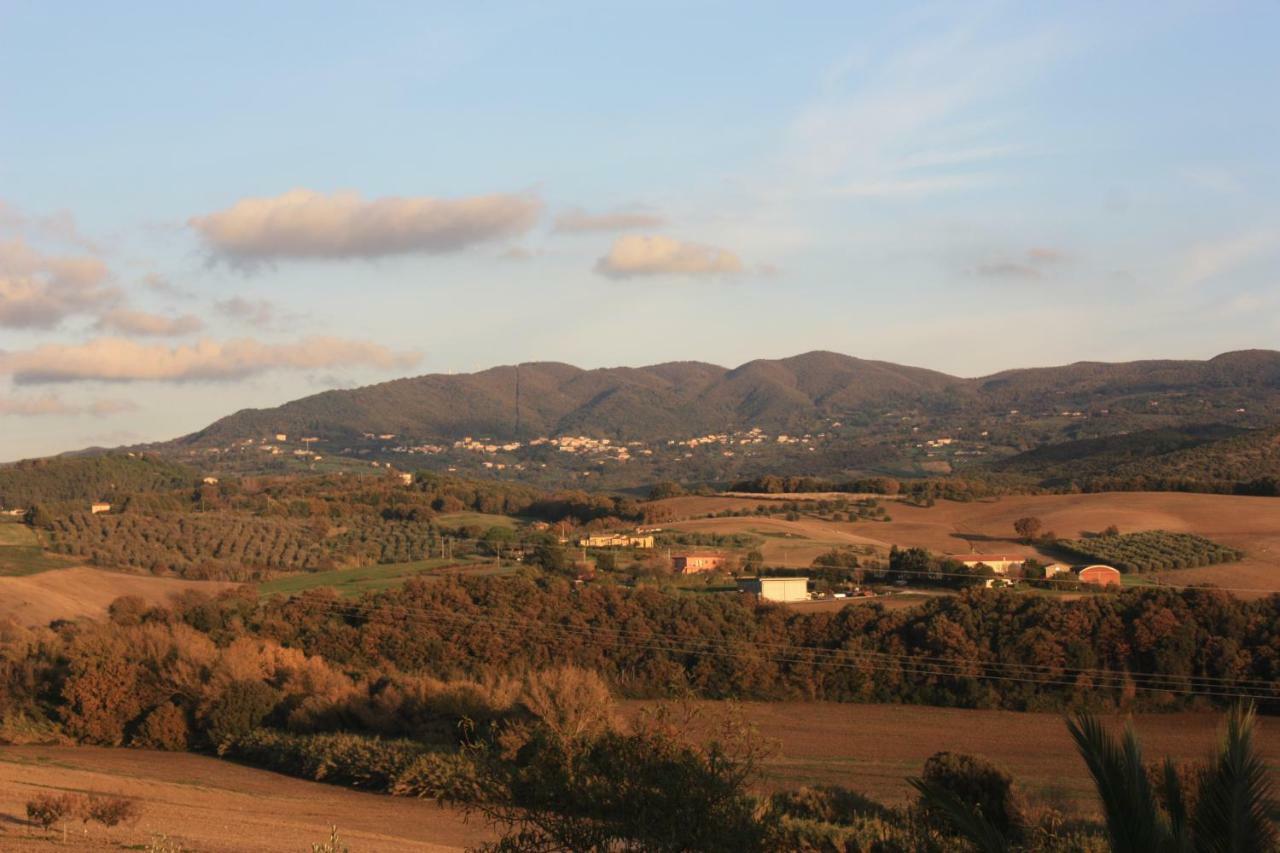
x: 211, y: 805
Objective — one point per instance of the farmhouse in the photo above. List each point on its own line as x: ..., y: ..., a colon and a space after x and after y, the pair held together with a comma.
x: 775, y: 589
x: 1098, y: 574
x: 1054, y: 569
x: 689, y: 564
x: 999, y: 563
x: 99, y: 507
x: 615, y: 540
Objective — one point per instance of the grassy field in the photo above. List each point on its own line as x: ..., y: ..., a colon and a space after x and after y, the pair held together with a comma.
x: 21, y: 553
x: 356, y: 582
x: 209, y: 805
x: 480, y: 519
x: 1249, y: 524
x: 874, y: 748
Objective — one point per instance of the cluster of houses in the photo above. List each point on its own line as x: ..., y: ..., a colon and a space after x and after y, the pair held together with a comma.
x: 1008, y: 567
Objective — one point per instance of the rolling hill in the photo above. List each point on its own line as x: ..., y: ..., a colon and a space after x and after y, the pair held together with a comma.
x: 854, y: 415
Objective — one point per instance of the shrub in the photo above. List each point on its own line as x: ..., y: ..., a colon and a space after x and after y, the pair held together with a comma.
x: 45, y: 810
x: 980, y: 785
x: 112, y: 811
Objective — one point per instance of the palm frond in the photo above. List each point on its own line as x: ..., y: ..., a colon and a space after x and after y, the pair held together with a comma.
x: 1237, y: 799
x: 1133, y: 818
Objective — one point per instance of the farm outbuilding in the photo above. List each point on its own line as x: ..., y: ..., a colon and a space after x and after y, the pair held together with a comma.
x: 1098, y: 575
x: 688, y: 564
x: 776, y: 589
x: 1001, y: 564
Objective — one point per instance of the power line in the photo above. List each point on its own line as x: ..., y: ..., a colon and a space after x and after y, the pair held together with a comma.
x: 860, y: 660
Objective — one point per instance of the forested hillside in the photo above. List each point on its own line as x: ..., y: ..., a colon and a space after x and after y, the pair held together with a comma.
x: 1199, y: 458
x: 88, y: 478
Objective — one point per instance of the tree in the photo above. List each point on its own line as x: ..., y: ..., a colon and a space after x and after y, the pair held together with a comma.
x: 239, y: 710
x: 665, y: 489
x: 37, y: 516
x: 1028, y: 527
x: 984, y: 790
x: 645, y: 789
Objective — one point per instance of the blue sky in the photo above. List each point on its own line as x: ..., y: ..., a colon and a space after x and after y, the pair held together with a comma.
x: 207, y: 209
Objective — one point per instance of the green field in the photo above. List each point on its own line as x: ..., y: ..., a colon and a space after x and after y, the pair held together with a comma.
x: 356, y: 582
x: 480, y: 519
x: 21, y: 553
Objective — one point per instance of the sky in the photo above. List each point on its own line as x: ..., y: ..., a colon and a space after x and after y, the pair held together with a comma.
x: 210, y: 207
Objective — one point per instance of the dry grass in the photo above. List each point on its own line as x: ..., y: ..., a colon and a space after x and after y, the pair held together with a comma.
x: 210, y: 805
x: 874, y: 748
x: 81, y: 591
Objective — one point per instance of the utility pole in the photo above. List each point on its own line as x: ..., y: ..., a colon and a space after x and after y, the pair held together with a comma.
x: 517, y: 401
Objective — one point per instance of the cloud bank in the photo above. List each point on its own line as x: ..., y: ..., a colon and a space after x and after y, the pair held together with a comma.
x: 122, y: 360
x: 303, y: 224
x: 39, y: 291
x: 636, y: 255
x: 578, y: 221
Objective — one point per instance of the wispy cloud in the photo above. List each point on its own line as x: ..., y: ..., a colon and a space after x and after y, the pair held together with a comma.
x: 1212, y: 259
x: 53, y: 405
x: 635, y: 255
x: 306, y: 224
x: 255, y: 312
x: 1034, y: 263
x: 577, y: 221
x: 123, y: 360
x: 146, y: 324
x: 916, y: 115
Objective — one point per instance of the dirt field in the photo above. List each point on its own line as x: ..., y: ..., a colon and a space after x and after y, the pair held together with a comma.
x: 874, y: 748
x: 83, y: 591
x: 1248, y: 523
x: 211, y: 805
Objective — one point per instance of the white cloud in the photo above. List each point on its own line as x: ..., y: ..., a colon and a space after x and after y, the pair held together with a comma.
x: 145, y: 324
x: 307, y: 224
x: 636, y: 255
x: 577, y: 221
x: 40, y: 291
x: 122, y: 360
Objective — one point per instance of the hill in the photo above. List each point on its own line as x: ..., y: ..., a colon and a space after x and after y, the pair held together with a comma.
x: 699, y: 422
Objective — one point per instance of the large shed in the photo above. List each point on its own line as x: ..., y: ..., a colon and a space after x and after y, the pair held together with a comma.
x: 775, y: 589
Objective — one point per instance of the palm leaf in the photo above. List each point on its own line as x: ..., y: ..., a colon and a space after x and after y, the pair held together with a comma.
x: 1134, y: 821
x: 1236, y: 801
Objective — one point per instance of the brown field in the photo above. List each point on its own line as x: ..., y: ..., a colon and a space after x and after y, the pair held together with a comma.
x: 1248, y: 523
x: 874, y: 748
x: 82, y: 591
x: 210, y: 805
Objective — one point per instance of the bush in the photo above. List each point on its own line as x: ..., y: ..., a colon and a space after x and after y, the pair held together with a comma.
x: 979, y: 784
x: 45, y: 810
x: 112, y: 811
